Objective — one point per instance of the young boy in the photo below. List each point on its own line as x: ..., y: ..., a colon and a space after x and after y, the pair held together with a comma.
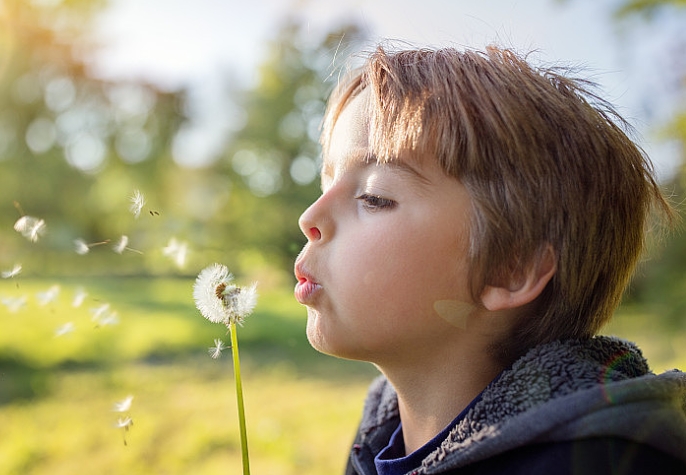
x: 478, y: 224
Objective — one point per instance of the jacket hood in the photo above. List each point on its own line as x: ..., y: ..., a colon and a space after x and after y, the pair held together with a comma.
x: 560, y: 391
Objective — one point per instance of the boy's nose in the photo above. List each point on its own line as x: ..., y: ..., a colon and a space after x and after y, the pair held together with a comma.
x: 308, y: 225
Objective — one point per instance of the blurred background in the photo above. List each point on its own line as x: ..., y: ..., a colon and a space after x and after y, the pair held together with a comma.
x: 210, y: 110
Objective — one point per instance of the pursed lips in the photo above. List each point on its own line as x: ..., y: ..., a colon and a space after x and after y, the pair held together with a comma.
x: 307, y: 287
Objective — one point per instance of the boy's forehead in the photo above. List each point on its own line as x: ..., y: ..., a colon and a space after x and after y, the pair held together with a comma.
x: 349, y: 140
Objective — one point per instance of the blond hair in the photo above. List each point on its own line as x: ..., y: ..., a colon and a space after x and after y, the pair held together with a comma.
x: 545, y: 161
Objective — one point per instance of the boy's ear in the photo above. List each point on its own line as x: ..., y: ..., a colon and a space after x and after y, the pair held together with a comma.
x: 524, y: 288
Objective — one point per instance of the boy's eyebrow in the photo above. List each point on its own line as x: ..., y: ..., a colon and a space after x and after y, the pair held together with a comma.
x: 368, y: 160
x: 407, y: 168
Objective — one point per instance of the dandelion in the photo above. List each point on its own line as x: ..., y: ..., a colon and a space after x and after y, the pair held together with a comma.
x: 13, y: 272
x: 220, y: 301
x: 123, y: 405
x: 176, y: 251
x: 216, y: 350
x: 79, y: 297
x: 48, y: 296
x: 65, y: 329
x: 29, y: 227
x: 137, y: 203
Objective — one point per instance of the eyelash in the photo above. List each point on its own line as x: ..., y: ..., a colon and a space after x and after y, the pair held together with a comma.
x: 375, y: 202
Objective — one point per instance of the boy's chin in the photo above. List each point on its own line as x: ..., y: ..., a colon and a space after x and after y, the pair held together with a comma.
x: 323, y: 343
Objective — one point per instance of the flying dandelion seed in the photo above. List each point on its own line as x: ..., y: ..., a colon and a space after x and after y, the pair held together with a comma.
x: 14, y: 304
x: 29, y: 227
x: 81, y: 247
x: 48, y: 296
x: 216, y: 350
x: 218, y: 300
x: 65, y: 329
x: 123, y: 405
x: 121, y: 245
x: 13, y: 272
x: 79, y: 297
x: 176, y: 251
x: 110, y: 318
x: 137, y: 203
x: 98, y: 312
x: 124, y: 423
x: 103, y: 316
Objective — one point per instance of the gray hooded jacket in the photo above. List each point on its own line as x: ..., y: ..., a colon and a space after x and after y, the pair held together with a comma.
x: 556, y: 393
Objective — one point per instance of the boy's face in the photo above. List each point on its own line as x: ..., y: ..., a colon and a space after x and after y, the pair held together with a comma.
x: 386, y: 253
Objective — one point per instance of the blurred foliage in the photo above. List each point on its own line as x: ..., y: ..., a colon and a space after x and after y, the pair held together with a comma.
x: 73, y: 148
x: 275, y: 156
x: 661, y: 282
x: 647, y: 8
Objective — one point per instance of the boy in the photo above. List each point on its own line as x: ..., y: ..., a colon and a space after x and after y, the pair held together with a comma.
x: 478, y: 223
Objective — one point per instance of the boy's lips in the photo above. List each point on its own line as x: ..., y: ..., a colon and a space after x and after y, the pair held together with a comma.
x: 306, y: 288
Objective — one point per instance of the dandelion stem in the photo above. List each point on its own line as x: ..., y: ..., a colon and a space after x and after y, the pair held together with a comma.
x: 239, y: 398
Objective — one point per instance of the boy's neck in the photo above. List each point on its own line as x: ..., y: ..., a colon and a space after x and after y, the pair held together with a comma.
x: 433, y: 396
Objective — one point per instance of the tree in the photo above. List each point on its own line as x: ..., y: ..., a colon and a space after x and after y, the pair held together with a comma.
x: 273, y: 161
x: 72, y: 147
x: 662, y: 283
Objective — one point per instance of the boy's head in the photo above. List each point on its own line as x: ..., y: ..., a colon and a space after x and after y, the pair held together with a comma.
x: 545, y: 165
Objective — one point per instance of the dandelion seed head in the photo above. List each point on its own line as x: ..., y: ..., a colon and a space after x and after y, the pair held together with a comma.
x: 124, y: 405
x: 218, y: 300
x: 216, y: 350
x: 219, y: 290
x: 244, y: 301
x: 29, y: 227
x: 13, y: 272
x: 137, y: 203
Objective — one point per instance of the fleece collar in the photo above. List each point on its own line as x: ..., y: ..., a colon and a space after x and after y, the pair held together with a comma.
x: 560, y: 391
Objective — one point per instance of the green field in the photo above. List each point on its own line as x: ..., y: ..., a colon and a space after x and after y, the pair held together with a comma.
x: 57, y: 391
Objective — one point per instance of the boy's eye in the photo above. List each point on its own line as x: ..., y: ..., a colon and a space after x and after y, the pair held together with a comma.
x: 375, y: 202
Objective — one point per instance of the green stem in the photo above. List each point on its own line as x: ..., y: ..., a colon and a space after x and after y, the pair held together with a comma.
x: 239, y: 397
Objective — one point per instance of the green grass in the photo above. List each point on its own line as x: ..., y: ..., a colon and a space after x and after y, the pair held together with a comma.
x: 57, y: 392
x: 185, y: 421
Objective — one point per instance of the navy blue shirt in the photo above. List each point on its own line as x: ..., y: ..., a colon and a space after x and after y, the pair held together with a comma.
x: 392, y: 459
